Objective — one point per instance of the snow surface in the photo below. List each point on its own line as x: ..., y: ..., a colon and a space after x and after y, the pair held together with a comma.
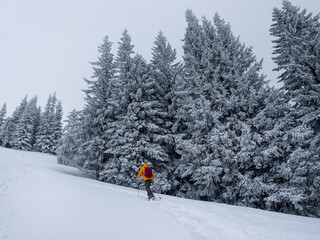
x: 41, y: 200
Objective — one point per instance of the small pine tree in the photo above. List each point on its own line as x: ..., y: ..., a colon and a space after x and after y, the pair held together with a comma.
x: 6, y: 132
x: 57, y: 122
x: 69, y: 144
x: 26, y: 128
x: 49, y: 130
x: 13, y: 131
x: 3, y: 113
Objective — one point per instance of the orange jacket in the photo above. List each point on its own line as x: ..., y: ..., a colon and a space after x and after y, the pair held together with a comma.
x: 142, y: 172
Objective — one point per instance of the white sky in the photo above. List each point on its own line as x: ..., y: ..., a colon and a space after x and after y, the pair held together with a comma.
x: 46, y: 46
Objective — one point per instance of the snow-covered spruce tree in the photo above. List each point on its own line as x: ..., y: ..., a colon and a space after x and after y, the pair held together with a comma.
x: 130, y: 143
x: 50, y: 120
x: 99, y: 111
x: 6, y: 132
x: 241, y: 99
x: 124, y: 148
x: 71, y: 141
x: 3, y: 113
x: 9, y: 129
x: 27, y: 127
x: 190, y: 126
x: 271, y: 124
x: 222, y: 92
x: 57, y: 123
x: 261, y: 150
x: 44, y: 137
x: 297, y: 54
x: 198, y: 95
x: 159, y: 106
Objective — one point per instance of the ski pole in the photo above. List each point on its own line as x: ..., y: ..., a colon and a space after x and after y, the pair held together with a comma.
x: 159, y: 195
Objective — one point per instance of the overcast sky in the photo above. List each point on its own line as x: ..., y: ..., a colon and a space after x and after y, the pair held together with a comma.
x: 46, y: 46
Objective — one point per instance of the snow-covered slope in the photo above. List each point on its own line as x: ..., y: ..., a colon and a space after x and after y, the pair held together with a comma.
x: 41, y: 200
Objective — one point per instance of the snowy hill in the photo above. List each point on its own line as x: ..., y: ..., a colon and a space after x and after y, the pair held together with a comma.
x: 41, y: 200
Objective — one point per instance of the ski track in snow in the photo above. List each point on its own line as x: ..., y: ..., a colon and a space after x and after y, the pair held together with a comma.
x: 33, y: 180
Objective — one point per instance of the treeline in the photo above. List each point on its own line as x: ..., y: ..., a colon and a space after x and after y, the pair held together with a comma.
x: 210, y: 125
x: 31, y: 129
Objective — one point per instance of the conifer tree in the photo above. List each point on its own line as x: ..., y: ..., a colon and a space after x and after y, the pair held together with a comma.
x: 119, y: 148
x: 100, y: 109
x: 12, y: 133
x: 297, y: 55
x: 57, y: 121
x: 124, y: 62
x: 6, y: 132
x: 71, y: 141
x: 189, y: 104
x: 50, y: 120
x: 244, y: 94
x: 26, y: 127
x: 44, y: 135
x: 228, y: 92
x: 129, y: 144
x: 3, y: 113
x: 160, y: 108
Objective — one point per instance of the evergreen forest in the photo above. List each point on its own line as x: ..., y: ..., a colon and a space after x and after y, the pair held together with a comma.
x: 210, y: 125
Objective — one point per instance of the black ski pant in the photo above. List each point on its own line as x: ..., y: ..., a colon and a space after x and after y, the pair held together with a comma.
x: 148, y: 185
